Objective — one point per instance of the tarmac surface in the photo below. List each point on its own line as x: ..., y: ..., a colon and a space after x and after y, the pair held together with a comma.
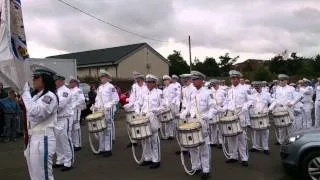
x: 121, y: 166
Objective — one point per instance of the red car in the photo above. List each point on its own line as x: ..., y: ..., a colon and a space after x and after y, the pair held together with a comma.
x: 123, y: 98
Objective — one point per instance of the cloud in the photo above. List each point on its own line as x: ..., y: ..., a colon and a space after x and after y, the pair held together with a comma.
x: 247, y: 28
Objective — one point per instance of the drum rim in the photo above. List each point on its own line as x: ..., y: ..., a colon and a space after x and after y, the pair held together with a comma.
x: 142, y: 123
x: 187, y: 129
x: 92, y: 119
x: 276, y: 114
x: 145, y: 137
x: 259, y: 115
x: 192, y: 146
x: 228, y: 135
x: 224, y: 117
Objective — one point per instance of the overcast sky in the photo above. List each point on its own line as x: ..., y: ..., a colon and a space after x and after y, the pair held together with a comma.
x: 248, y: 28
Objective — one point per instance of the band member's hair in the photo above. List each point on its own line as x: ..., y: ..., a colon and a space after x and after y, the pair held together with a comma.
x: 49, y: 85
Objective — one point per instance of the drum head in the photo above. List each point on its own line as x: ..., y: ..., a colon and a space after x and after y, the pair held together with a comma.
x: 94, y: 116
x: 281, y: 113
x: 229, y: 118
x: 189, y: 126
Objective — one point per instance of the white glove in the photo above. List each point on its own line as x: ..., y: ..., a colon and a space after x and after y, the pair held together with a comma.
x: 26, y: 87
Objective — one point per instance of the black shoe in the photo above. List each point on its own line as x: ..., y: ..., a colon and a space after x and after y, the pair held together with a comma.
x: 205, y: 176
x: 186, y: 153
x: 77, y: 148
x: 155, y: 165
x: 113, y: 141
x: 213, y: 145
x: 99, y: 153
x: 231, y: 161
x: 219, y: 146
x: 107, y: 154
x: 277, y: 143
x: 146, y: 163
x: 130, y: 144
x: 267, y: 152
x: 178, y: 152
x: 254, y: 150
x: 245, y: 163
x: 57, y: 165
x: 199, y: 171
x: 66, y: 168
x: 170, y: 138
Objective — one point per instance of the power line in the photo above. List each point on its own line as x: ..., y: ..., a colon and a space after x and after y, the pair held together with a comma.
x: 108, y: 23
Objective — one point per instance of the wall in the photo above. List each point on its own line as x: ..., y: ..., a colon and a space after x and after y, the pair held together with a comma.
x: 138, y: 62
x: 94, y: 71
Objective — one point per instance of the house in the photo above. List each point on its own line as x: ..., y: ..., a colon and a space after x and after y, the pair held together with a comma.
x: 119, y: 61
x: 249, y: 65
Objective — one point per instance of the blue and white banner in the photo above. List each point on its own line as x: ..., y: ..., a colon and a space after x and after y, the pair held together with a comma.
x: 13, y: 47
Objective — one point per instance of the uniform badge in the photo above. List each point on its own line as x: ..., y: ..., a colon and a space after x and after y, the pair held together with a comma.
x: 211, y: 95
x: 175, y: 89
x: 65, y: 94
x: 47, y: 99
x: 161, y: 96
x: 113, y: 90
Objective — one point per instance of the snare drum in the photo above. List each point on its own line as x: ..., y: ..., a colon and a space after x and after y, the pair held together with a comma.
x: 259, y: 121
x: 230, y: 126
x: 96, y: 122
x: 140, y: 128
x: 131, y: 116
x: 190, y: 135
x: 165, y: 116
x: 281, y: 119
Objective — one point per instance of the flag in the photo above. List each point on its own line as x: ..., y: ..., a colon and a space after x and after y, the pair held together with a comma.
x: 13, y: 46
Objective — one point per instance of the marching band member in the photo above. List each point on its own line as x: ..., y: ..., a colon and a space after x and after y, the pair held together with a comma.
x: 219, y: 98
x: 77, y: 100
x: 42, y: 118
x: 237, y: 102
x: 176, y: 100
x: 297, y: 109
x: 202, y: 109
x: 137, y: 90
x: 259, y: 102
x: 106, y: 100
x: 307, y: 93
x: 223, y: 85
x: 187, y: 90
x: 170, y: 92
x: 150, y: 104
x: 265, y: 87
x: 317, y: 104
x: 64, y: 149
x: 284, y: 97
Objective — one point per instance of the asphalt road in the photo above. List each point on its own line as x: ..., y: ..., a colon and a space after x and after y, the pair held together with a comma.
x: 121, y: 165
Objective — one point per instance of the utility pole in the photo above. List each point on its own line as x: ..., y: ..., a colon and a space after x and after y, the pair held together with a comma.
x: 190, y: 61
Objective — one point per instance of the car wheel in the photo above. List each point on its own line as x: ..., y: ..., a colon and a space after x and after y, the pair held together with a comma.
x: 311, y: 166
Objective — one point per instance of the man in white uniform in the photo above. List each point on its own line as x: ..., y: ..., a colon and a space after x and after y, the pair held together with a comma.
x: 106, y: 100
x: 202, y: 110
x: 317, y: 104
x: 307, y: 94
x: 297, y: 109
x: 64, y: 149
x: 237, y: 102
x: 219, y: 98
x: 260, y: 102
x: 78, y: 99
x: 151, y: 104
x: 137, y: 90
x: 284, y: 99
x: 170, y: 93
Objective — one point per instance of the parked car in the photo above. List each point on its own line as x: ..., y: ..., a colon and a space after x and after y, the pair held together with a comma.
x: 301, y: 153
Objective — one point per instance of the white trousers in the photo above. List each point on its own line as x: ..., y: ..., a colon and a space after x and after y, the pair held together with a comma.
x: 39, y: 155
x: 151, y: 148
x: 64, y: 149
x: 215, y: 135
x: 201, y: 157
x: 76, y: 129
x: 260, y: 139
x: 106, y: 136
x: 306, y: 113
x: 317, y: 113
x: 298, y: 121
x: 169, y: 129
x: 238, y: 145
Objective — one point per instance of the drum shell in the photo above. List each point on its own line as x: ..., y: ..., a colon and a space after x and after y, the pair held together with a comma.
x: 214, y: 121
x: 260, y: 123
x: 131, y: 116
x: 165, y: 116
x: 190, y: 138
x: 97, y: 125
x: 140, y: 131
x: 281, y: 121
x: 230, y: 128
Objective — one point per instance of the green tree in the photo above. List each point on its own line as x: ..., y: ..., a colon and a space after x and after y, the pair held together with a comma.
x: 262, y: 74
x: 226, y: 63
x: 177, y: 64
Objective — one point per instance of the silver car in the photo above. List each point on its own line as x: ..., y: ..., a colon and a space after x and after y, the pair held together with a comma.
x: 301, y: 152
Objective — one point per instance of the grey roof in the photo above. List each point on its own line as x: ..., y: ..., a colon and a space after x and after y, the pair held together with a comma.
x: 111, y: 55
